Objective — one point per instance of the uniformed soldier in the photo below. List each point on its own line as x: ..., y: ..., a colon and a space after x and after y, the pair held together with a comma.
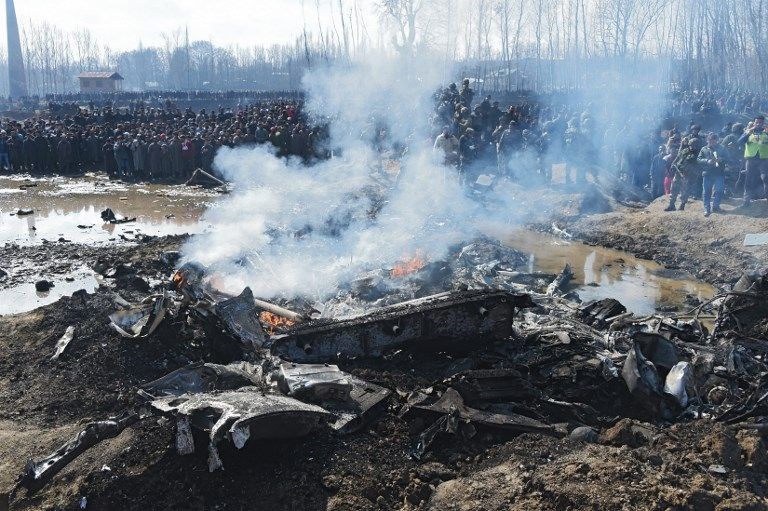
x: 509, y: 143
x: 734, y: 153
x: 466, y: 94
x: 685, y: 174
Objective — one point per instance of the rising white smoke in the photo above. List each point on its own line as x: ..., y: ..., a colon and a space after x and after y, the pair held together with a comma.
x: 292, y: 230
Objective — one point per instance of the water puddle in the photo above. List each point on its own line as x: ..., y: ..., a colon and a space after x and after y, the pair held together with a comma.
x: 70, y: 208
x: 24, y: 297
x: 642, y: 286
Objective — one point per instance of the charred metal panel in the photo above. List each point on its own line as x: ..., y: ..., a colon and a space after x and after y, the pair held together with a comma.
x: 264, y: 416
x: 447, y: 317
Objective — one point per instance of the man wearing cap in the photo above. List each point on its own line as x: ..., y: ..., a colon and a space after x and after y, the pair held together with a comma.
x: 509, y: 142
x: 466, y: 94
x: 734, y: 154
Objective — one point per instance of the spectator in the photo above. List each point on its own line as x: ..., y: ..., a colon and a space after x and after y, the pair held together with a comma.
x: 712, y: 160
x: 755, y: 141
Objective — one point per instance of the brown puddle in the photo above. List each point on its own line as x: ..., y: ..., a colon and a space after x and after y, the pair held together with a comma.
x: 642, y: 286
x: 71, y: 208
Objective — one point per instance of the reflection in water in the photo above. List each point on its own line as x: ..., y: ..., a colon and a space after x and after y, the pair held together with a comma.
x: 642, y: 286
x: 24, y: 297
x: 71, y: 208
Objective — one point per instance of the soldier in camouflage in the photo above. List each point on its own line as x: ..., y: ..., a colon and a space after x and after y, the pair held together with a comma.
x: 685, y: 173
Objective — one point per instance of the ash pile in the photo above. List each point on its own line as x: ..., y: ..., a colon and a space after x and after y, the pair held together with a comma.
x: 505, y: 350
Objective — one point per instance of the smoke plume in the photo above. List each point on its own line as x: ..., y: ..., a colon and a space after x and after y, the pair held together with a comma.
x: 289, y: 229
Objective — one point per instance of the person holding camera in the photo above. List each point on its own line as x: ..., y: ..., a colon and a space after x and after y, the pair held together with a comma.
x: 755, y: 140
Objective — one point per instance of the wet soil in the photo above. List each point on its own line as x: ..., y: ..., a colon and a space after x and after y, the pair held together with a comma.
x: 70, y: 266
x: 643, y: 286
x: 710, y: 248
x: 64, y: 233
x: 70, y: 208
x: 43, y: 403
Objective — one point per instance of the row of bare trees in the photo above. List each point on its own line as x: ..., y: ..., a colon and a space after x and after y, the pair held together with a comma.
x: 538, y: 44
x: 503, y: 44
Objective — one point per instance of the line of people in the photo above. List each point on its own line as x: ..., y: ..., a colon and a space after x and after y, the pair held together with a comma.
x: 152, y: 143
x: 522, y: 142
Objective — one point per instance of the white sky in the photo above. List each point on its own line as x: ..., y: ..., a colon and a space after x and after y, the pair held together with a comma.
x: 122, y: 23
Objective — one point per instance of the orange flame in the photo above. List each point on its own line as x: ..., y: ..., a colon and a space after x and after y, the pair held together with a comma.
x: 273, y: 321
x: 179, y: 280
x: 408, y: 266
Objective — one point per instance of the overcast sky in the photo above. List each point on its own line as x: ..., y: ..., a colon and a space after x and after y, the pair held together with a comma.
x: 122, y: 23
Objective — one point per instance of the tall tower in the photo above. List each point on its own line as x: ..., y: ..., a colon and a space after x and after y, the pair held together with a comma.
x: 17, y: 78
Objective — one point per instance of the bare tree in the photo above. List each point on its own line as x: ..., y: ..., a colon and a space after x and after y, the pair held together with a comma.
x: 403, y: 16
x: 565, y: 43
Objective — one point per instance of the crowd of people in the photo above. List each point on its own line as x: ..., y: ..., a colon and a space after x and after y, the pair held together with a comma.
x: 152, y: 143
x: 151, y: 138
x: 708, y: 102
x: 70, y: 101
x: 524, y: 141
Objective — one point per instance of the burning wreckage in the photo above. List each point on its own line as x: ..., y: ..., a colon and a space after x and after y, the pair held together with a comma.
x: 524, y: 357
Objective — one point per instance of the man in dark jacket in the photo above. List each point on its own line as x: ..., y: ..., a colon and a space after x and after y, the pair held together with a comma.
x: 5, y: 161
x: 155, y: 159
x: 187, y: 150
x: 712, y: 162
x: 207, y: 153
x: 108, y: 152
x: 64, y: 155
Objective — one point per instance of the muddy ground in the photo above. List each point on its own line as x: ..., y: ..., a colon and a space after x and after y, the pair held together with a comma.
x: 710, y: 248
x: 43, y: 403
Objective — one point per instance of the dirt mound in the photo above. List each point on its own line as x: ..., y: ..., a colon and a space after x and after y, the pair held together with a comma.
x: 712, y: 248
x: 533, y: 472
